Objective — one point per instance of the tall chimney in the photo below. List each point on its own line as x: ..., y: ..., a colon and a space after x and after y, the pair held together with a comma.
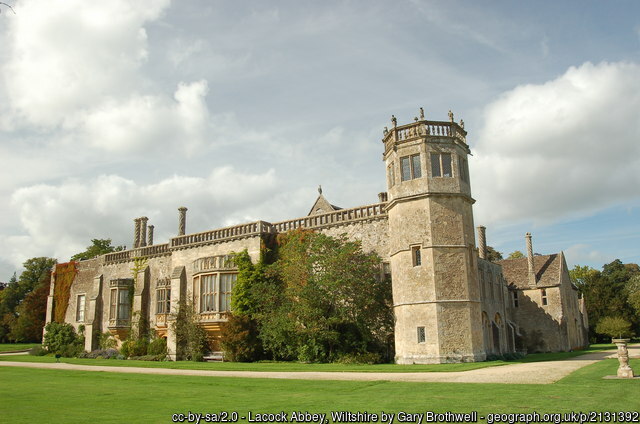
x: 136, y: 233
x: 150, y: 242
x: 182, y: 220
x: 143, y: 231
x: 532, y: 274
x: 482, y: 242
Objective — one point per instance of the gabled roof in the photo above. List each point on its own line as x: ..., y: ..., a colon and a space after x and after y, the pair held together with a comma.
x: 322, y: 205
x: 547, y: 268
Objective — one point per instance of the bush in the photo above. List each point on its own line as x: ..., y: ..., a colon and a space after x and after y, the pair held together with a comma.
x: 360, y: 358
x: 240, y: 341
x: 107, y: 341
x: 61, y: 339
x: 157, y: 347
x: 37, y: 351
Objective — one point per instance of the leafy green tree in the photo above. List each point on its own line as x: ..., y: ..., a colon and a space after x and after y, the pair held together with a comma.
x: 34, y: 275
x: 616, y: 327
x: 31, y: 315
x: 516, y: 255
x: 633, y: 292
x: 582, y: 276
x: 98, y: 247
x: 62, y: 339
x: 493, y: 255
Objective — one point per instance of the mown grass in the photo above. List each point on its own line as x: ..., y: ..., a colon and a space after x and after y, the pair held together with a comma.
x: 301, y: 367
x: 9, y: 347
x: 57, y: 396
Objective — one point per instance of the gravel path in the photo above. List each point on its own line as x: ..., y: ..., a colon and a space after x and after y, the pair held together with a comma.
x: 528, y: 373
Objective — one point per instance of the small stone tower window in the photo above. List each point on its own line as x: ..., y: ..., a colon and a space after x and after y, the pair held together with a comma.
x: 463, y: 169
x: 415, y: 254
x: 441, y: 165
x: 422, y: 335
x: 544, y: 297
x: 410, y: 167
x: 515, y: 298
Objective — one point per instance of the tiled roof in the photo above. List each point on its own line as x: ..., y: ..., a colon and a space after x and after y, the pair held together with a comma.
x: 546, y: 267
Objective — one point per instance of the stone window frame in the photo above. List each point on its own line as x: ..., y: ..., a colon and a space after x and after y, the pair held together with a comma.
x: 218, y: 297
x: 416, y: 255
x: 514, y: 297
x: 421, y: 333
x: 119, y: 302
x: 437, y: 164
x: 414, y: 167
x: 163, y: 297
x: 463, y: 169
x: 81, y: 311
x: 543, y: 297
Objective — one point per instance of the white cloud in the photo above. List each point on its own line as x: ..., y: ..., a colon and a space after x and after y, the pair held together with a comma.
x: 563, y: 148
x: 61, y: 220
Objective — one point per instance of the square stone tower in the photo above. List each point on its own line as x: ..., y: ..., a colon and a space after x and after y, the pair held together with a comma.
x: 432, y: 244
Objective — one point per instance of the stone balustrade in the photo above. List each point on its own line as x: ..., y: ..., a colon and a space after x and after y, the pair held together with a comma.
x: 424, y: 129
x: 377, y: 210
x: 122, y: 256
x: 222, y: 234
x: 156, y: 250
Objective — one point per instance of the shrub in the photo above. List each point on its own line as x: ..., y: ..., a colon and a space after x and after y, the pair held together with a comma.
x: 107, y: 341
x: 240, y: 341
x: 38, y: 351
x: 157, y: 347
x: 61, y: 339
x: 360, y: 358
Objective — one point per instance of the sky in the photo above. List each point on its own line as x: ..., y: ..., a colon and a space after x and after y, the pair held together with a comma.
x: 239, y: 110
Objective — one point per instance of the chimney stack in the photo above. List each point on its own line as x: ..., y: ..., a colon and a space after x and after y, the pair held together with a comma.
x: 482, y: 242
x: 136, y: 233
x: 532, y: 274
x: 150, y: 242
x: 182, y: 220
x: 143, y: 231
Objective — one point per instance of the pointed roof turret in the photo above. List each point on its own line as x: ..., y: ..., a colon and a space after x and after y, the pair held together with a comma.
x: 322, y: 205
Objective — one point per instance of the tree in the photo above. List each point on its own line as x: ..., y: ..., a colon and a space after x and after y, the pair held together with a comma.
x: 34, y: 275
x: 31, y: 315
x: 614, y: 327
x: 333, y: 302
x: 493, y: 255
x: 98, y: 247
x: 515, y: 255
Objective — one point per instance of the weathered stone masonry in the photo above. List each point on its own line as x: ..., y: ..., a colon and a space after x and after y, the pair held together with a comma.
x: 450, y: 303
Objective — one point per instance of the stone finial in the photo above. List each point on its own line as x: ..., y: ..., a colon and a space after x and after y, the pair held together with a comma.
x: 532, y: 274
x: 386, y: 131
x: 421, y: 114
x: 394, y: 121
x: 182, y: 220
x: 136, y: 233
x: 150, y: 236
x: 143, y: 231
x: 319, y: 189
x: 450, y: 115
x: 482, y: 242
x: 462, y: 123
x: 382, y: 197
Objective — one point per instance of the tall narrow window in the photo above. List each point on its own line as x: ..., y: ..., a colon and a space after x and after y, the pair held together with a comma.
x: 422, y: 335
x: 410, y: 167
x: 208, y: 293
x: 163, y: 299
x: 415, y: 166
x: 226, y: 287
x: 515, y: 298
x: 123, y: 304
x: 417, y: 258
x: 405, y: 166
x: 80, y: 308
x: 544, y: 297
x: 463, y: 169
x: 441, y: 165
x: 391, y: 175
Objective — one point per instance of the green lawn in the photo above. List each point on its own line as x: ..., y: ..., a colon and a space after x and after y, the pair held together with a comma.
x: 56, y: 396
x: 8, y: 347
x: 296, y: 366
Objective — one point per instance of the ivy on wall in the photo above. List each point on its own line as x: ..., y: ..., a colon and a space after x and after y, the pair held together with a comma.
x: 63, y: 278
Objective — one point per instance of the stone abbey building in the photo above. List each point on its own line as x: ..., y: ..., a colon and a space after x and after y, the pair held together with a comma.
x: 450, y: 303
